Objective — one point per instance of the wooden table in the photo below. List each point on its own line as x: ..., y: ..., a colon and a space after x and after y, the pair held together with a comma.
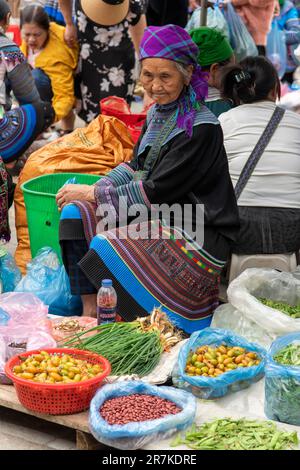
x: 78, y: 422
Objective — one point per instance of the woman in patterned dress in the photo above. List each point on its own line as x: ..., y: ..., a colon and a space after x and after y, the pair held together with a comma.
x: 179, y: 163
x: 107, y: 55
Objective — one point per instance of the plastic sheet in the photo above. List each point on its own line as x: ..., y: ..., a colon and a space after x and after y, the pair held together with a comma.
x: 282, y: 386
x: 233, y: 381
x: 240, y: 38
x: 137, y: 435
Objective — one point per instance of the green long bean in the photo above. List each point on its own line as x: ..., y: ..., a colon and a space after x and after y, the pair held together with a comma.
x: 241, y: 434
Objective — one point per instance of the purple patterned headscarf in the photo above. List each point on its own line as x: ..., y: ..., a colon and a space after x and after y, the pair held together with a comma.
x: 174, y: 43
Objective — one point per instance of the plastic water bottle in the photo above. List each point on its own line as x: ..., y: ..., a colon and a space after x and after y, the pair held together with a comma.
x: 106, y: 303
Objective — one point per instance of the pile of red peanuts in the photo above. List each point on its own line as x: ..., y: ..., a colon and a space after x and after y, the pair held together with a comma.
x: 136, y: 408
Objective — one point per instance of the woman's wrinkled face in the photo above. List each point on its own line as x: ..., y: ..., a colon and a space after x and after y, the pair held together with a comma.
x: 162, y: 80
x: 34, y: 36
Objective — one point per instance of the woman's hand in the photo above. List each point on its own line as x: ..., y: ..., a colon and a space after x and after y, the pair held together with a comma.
x: 70, y: 35
x: 74, y: 192
x: 277, y: 8
x: 193, y: 4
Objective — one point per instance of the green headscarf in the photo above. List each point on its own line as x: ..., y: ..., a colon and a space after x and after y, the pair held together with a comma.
x: 213, y: 46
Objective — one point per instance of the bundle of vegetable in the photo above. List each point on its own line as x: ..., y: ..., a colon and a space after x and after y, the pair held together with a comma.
x: 290, y: 355
x: 131, y: 348
x: 291, y: 311
x: 241, y: 434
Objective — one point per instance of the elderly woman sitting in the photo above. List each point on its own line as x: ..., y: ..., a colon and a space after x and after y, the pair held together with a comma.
x: 180, y: 162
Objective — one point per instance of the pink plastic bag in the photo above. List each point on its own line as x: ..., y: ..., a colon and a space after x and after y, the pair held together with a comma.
x: 3, y: 379
x: 27, y: 329
x: 25, y: 309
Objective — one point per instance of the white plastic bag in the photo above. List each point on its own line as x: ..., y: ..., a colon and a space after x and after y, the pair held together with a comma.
x: 226, y: 316
x: 248, y: 317
x: 215, y: 20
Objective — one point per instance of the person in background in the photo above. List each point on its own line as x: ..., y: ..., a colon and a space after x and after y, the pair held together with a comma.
x: 297, y: 5
x: 269, y: 205
x: 51, y: 7
x: 179, y: 160
x: 53, y: 62
x: 20, y: 126
x: 161, y: 12
x: 257, y: 15
x: 215, y: 52
x: 289, y: 22
x: 109, y: 33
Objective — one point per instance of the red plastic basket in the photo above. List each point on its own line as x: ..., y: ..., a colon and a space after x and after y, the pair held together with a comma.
x: 55, y: 399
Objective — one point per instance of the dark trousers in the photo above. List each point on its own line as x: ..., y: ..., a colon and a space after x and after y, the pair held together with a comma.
x: 43, y: 84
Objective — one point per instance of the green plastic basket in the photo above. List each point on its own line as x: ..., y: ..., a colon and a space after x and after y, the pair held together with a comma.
x: 41, y: 209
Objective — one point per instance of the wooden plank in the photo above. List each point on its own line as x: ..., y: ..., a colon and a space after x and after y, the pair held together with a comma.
x: 86, y: 441
x: 9, y: 399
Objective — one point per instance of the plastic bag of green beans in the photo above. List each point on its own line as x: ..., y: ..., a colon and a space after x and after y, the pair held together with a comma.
x: 282, y: 386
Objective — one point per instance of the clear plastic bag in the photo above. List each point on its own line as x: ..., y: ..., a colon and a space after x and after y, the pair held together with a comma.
x: 136, y: 435
x: 240, y: 38
x: 215, y: 20
x: 10, y: 274
x: 276, y: 49
x: 282, y: 385
x: 48, y: 280
x: 233, y: 381
x: 243, y: 294
x: 228, y: 317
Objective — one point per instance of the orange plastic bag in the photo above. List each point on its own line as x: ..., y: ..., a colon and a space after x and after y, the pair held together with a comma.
x: 96, y: 149
x: 118, y: 107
